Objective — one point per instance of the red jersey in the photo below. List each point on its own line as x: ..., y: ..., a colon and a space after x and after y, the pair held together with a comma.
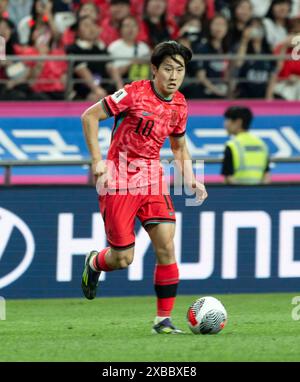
x: 143, y: 121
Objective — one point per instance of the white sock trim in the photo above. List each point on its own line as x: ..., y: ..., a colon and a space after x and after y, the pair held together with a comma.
x: 91, y: 263
x: 159, y: 319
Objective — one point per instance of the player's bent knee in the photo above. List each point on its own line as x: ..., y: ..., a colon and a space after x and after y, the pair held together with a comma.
x: 166, y: 252
x: 166, y: 248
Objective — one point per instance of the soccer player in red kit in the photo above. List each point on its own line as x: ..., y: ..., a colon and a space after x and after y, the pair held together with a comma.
x: 146, y: 113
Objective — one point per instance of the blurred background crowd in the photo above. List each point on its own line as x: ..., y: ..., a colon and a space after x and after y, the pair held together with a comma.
x: 122, y: 33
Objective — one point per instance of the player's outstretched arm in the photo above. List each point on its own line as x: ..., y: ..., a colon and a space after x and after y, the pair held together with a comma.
x: 90, y: 123
x: 184, y: 162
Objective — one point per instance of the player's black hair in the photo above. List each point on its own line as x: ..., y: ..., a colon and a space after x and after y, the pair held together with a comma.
x: 170, y: 49
x: 240, y: 112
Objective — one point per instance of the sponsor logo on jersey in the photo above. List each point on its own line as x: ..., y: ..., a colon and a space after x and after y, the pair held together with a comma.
x: 119, y: 95
x: 146, y: 113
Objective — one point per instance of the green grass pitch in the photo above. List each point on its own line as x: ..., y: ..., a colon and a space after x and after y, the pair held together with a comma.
x: 260, y: 328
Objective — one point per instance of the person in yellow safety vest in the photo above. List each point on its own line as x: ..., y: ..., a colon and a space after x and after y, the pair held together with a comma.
x: 246, y: 157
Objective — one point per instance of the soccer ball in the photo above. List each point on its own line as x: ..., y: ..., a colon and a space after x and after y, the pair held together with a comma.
x: 206, y: 315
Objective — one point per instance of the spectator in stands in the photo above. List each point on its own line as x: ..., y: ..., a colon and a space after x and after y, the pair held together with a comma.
x: 288, y: 79
x: 110, y: 26
x: 277, y: 21
x: 197, y: 8
x: 64, y: 15
x: 47, y: 78
x: 157, y: 26
x: 176, y: 8
x: 193, y: 22
x: 102, y: 5
x: 13, y: 72
x: 191, y: 32
x: 134, y: 67
x: 246, y: 156
x: 136, y: 8
x: 257, y: 76
x: 41, y: 13
x: 17, y: 9
x: 260, y: 8
x: 4, y: 14
x: 241, y: 13
x: 211, y: 74
x: 295, y: 9
x: 223, y: 7
x: 85, y: 9
x: 89, y: 75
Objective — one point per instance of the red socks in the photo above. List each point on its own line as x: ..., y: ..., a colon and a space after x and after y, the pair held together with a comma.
x: 166, y: 279
x: 99, y: 262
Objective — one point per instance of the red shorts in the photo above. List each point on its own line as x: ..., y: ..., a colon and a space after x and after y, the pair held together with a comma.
x: 119, y: 213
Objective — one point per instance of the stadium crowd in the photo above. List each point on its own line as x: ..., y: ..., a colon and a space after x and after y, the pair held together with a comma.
x: 124, y: 32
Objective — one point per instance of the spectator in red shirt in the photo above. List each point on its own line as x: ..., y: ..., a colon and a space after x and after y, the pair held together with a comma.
x: 101, y: 5
x: 118, y: 10
x: 180, y: 8
x: 288, y: 78
x: 157, y: 26
x: 87, y: 8
x: 47, y: 77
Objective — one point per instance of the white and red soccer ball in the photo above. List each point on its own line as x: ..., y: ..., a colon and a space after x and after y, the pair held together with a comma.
x: 206, y: 315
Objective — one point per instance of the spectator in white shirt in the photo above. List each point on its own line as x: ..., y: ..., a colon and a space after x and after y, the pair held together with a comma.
x: 17, y: 9
x: 260, y: 8
x: 129, y: 55
x: 277, y: 20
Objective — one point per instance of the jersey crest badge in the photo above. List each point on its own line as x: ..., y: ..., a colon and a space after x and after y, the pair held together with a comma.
x: 174, y: 118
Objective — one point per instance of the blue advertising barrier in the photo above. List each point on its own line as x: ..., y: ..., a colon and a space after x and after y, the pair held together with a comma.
x: 39, y: 131
x: 62, y: 138
x: 242, y: 239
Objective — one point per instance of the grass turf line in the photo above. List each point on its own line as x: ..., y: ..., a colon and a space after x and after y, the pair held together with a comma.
x: 260, y: 328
